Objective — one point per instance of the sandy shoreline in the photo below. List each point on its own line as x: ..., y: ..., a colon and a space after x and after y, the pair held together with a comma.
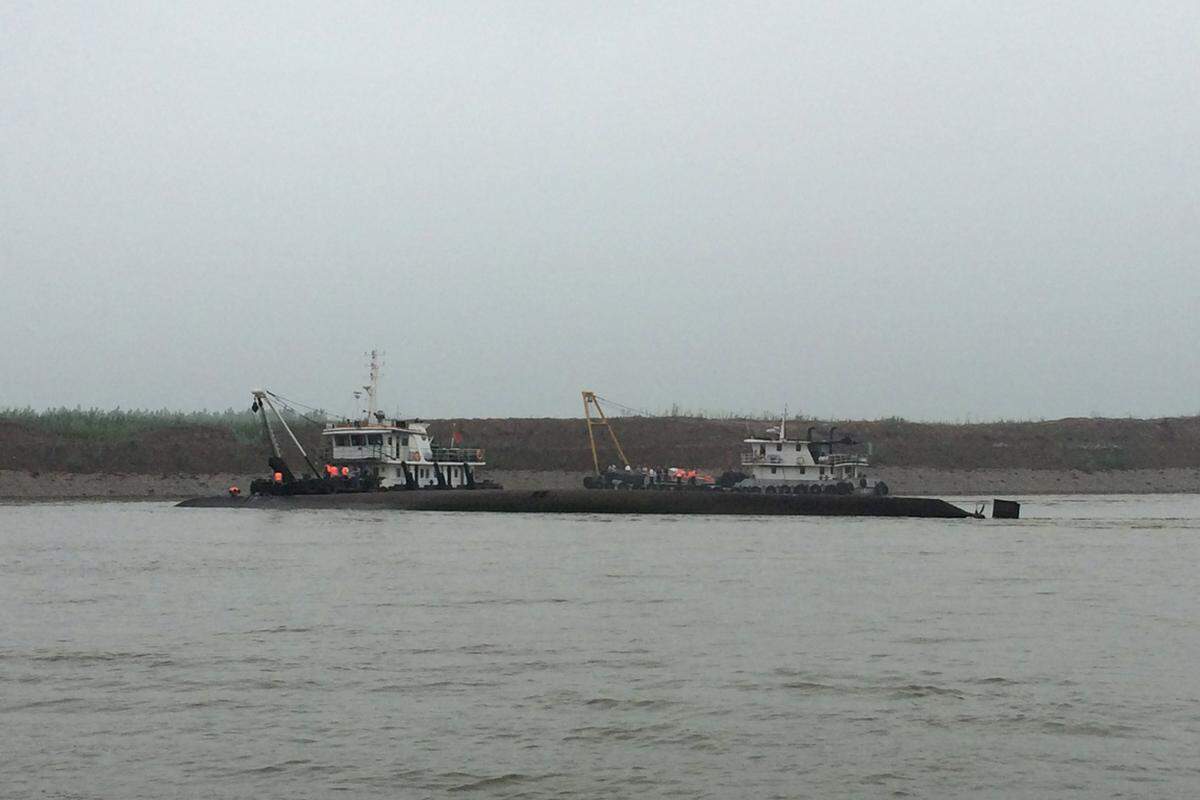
x: 22, y: 485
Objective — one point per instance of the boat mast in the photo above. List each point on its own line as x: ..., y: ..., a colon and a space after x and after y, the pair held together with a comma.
x: 373, y: 387
x: 783, y: 424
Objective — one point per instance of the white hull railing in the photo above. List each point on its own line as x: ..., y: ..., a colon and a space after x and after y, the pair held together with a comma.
x: 753, y: 457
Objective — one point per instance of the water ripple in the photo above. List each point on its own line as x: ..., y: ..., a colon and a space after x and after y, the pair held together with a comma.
x: 152, y: 654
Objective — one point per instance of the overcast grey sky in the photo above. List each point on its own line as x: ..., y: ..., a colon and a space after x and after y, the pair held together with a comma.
x: 935, y: 210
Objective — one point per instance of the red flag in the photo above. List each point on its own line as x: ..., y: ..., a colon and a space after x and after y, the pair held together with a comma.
x: 457, y: 437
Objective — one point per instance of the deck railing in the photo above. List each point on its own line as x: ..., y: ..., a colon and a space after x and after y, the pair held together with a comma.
x: 752, y: 457
x: 448, y: 455
x: 779, y: 459
x: 457, y: 454
x: 842, y: 458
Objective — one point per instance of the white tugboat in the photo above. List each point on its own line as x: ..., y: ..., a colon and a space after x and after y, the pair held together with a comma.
x: 778, y: 464
x: 371, y: 453
x: 400, y: 453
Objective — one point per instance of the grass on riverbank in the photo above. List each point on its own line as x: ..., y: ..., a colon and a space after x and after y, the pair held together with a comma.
x: 96, y: 424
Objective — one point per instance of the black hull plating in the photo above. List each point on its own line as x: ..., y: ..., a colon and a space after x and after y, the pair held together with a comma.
x: 583, y: 501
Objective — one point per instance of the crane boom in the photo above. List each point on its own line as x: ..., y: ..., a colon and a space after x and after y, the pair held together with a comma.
x: 262, y: 399
x: 590, y: 402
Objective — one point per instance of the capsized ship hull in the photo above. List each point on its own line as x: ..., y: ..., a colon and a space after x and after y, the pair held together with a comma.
x: 583, y: 501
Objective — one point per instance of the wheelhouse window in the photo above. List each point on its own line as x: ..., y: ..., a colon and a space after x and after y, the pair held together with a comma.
x: 357, y: 440
x: 375, y: 439
x: 341, y: 440
x: 404, y: 441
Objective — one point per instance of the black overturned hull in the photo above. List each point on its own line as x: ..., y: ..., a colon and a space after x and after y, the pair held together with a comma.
x: 584, y: 501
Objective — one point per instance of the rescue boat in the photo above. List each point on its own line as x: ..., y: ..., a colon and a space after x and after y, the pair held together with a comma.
x: 779, y: 465
x: 372, y: 453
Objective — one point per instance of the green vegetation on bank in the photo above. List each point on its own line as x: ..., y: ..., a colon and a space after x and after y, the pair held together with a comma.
x: 115, y: 424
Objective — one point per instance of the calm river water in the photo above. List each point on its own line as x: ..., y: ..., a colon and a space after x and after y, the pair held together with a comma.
x: 149, y: 651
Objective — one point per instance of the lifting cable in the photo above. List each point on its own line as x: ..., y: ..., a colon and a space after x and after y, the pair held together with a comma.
x: 632, y: 412
x: 288, y: 405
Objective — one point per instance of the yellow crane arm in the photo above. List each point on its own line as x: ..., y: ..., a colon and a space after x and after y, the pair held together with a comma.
x: 600, y: 420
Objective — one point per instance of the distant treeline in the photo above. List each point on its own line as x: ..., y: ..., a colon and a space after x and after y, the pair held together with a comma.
x: 139, y: 441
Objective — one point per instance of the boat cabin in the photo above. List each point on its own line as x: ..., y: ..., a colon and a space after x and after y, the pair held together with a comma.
x: 791, y: 460
x: 399, y: 453
x: 777, y: 462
